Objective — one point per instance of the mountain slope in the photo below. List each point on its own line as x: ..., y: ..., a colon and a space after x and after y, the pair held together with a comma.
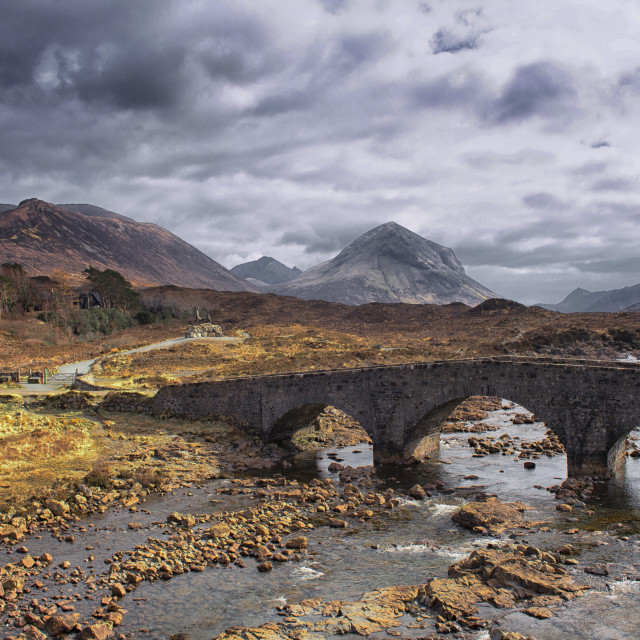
x: 44, y: 237
x: 92, y: 210
x: 581, y: 300
x: 7, y: 207
x: 389, y: 264
x: 266, y: 269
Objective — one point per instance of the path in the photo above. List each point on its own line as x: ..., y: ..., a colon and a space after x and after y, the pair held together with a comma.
x: 82, y: 367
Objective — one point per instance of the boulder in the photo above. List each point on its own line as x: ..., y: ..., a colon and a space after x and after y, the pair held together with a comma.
x: 490, y: 514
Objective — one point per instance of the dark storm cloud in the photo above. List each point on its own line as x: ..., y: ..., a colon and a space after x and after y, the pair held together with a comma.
x: 445, y: 41
x: 540, y: 89
x: 152, y: 77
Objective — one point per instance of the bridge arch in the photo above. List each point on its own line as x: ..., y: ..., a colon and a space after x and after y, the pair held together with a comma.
x: 590, y: 406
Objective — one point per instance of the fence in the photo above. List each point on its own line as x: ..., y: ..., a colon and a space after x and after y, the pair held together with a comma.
x: 30, y: 376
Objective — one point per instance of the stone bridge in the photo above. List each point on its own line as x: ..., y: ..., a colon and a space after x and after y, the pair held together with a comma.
x: 590, y: 405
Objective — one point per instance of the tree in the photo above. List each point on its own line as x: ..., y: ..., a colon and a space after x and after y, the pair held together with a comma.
x: 63, y: 294
x: 21, y: 292
x: 7, y: 291
x: 114, y: 289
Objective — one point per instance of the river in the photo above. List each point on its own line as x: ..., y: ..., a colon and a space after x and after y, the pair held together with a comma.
x: 415, y: 542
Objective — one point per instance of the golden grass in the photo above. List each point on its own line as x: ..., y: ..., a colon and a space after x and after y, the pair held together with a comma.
x: 270, y: 350
x: 36, y: 449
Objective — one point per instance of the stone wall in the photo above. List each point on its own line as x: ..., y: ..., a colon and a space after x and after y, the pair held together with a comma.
x: 590, y: 406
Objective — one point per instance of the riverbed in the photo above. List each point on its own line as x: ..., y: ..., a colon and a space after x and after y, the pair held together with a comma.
x: 409, y: 545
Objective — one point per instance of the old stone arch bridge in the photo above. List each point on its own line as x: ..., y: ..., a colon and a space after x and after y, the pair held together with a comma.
x: 591, y: 406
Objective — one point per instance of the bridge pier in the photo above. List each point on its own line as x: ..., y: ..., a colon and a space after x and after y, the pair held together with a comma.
x: 591, y: 406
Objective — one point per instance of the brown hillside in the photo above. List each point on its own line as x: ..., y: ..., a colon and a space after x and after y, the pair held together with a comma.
x: 44, y: 237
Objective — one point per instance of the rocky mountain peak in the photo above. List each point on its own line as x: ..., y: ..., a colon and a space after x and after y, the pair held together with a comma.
x: 265, y: 270
x: 389, y: 263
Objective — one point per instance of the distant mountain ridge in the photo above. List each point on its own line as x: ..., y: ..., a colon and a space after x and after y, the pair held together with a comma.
x: 389, y: 264
x: 580, y: 300
x: 44, y: 237
x: 266, y: 270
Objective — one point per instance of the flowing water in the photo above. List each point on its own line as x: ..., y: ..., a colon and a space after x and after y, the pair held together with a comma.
x: 409, y: 545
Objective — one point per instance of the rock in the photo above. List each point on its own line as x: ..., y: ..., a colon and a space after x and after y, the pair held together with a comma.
x: 529, y: 465
x: 417, y: 492
x: 597, y: 570
x: 338, y: 524
x: 33, y: 633
x: 299, y: 542
x: 183, y: 520
x: 61, y: 623
x: 9, y: 533
x: 221, y: 530
x: 265, y: 566
x: 27, y: 562
x: 490, y: 514
x: 118, y: 590
x: 99, y: 631
x: 563, y: 508
x: 57, y: 507
x: 542, y: 613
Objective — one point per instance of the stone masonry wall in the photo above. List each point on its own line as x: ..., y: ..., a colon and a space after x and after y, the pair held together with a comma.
x: 590, y: 406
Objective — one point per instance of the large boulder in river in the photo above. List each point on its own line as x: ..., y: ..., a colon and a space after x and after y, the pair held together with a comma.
x: 488, y: 515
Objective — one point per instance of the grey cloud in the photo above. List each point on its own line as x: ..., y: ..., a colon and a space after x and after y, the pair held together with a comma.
x: 323, y: 239
x: 626, y: 265
x: 631, y: 80
x: 589, y: 168
x: 614, y: 184
x: 600, y: 144
x: 447, y: 91
x: 544, y: 201
x: 445, y: 41
x: 333, y: 6
x: 489, y: 160
x: 154, y: 78
x: 282, y: 103
x: 540, y: 89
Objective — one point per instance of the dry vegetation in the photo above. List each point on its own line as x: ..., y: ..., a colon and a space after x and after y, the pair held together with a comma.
x: 43, y: 445
x: 27, y: 343
x: 269, y: 350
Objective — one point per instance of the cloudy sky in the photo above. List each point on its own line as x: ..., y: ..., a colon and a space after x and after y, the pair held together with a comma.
x: 507, y: 130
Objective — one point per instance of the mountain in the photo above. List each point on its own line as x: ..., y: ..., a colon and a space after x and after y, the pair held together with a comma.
x: 44, y: 237
x: 92, y: 210
x: 581, y: 300
x: 389, y: 264
x: 6, y: 207
x: 266, y: 270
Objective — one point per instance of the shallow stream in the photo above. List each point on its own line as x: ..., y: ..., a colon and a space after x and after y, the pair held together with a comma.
x: 411, y: 544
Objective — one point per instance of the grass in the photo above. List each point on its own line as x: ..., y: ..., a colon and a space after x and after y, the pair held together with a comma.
x: 41, y: 445
x: 37, y: 449
x: 270, y: 350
